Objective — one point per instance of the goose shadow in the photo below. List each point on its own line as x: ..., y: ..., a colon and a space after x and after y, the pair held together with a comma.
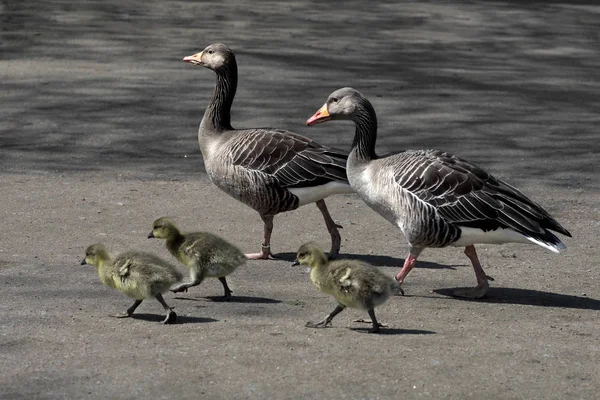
x: 234, y: 299
x: 380, y: 261
x: 501, y: 295
x: 181, y: 319
x: 395, y: 331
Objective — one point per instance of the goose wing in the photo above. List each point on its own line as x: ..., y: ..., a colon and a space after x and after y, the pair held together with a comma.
x: 466, y: 195
x: 294, y: 161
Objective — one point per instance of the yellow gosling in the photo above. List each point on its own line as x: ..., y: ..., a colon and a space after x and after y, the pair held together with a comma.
x: 206, y: 255
x: 352, y: 283
x: 139, y: 275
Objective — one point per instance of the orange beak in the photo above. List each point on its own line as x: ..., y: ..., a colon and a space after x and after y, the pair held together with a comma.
x: 195, y: 59
x: 320, y: 116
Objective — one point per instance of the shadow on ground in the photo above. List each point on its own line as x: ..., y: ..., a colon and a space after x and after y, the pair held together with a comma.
x: 97, y: 85
x: 181, y: 319
x: 530, y: 297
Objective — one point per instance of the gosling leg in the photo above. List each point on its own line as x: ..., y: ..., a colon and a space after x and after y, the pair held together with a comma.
x: 327, y: 320
x: 265, y: 252
x: 227, y: 295
x: 171, y: 316
x: 376, y: 325
x: 332, y: 227
x: 482, y: 279
x: 129, y: 311
x: 196, y: 278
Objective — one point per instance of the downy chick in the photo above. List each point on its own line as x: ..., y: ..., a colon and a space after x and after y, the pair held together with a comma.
x: 139, y: 275
x: 352, y: 283
x: 205, y: 255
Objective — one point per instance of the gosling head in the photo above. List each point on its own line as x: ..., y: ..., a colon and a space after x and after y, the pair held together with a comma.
x: 163, y: 228
x: 215, y: 57
x: 311, y: 255
x: 344, y: 103
x: 95, y: 255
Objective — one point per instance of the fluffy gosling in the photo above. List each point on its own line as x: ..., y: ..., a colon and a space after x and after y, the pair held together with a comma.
x: 352, y: 283
x: 205, y: 255
x: 138, y: 275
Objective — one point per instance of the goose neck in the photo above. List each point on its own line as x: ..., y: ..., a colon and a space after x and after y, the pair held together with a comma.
x: 217, y: 116
x: 365, y: 136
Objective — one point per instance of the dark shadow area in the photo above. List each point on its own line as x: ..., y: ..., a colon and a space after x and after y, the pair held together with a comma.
x: 245, y: 299
x: 395, y: 331
x: 376, y: 260
x: 234, y: 299
x: 530, y: 298
x: 181, y: 319
x: 510, y: 85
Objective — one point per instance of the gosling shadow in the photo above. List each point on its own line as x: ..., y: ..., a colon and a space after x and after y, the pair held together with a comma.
x: 500, y: 295
x: 234, y: 299
x: 244, y: 299
x: 181, y: 319
x: 395, y: 331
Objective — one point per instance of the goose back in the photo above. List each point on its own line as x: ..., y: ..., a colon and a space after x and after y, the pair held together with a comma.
x: 434, y: 196
x: 262, y: 167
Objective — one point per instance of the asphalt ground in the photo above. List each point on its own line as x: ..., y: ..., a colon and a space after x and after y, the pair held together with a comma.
x: 98, y: 124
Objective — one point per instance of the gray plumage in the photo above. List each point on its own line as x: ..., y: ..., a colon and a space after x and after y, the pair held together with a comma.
x: 435, y: 198
x: 270, y: 170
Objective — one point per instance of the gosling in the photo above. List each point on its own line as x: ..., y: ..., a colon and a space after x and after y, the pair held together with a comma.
x: 352, y: 283
x: 138, y: 275
x: 205, y: 255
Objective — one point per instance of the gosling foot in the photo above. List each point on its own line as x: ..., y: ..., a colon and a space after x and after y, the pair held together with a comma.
x: 179, y: 289
x: 170, y: 319
x: 321, y: 324
x: 122, y: 315
x: 476, y: 292
x: 364, y: 321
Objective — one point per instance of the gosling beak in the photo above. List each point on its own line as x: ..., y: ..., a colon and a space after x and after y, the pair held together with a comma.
x: 295, y: 263
x: 151, y: 235
x: 83, y: 262
x: 320, y: 116
x: 195, y: 59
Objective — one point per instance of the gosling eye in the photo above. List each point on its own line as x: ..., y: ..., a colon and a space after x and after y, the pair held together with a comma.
x: 335, y: 99
x: 210, y: 51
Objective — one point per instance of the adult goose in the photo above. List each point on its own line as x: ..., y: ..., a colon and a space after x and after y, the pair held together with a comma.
x: 270, y: 170
x: 435, y: 198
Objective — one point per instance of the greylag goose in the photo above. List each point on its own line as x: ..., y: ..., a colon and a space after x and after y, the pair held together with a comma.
x: 206, y: 255
x: 352, y: 283
x: 269, y: 170
x: 138, y: 275
x: 435, y: 198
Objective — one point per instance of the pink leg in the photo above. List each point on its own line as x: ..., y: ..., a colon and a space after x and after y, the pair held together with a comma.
x: 332, y: 227
x: 265, y: 252
x: 409, y: 263
x: 482, y: 279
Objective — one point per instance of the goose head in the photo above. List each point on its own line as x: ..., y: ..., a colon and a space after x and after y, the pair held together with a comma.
x: 310, y: 254
x: 163, y: 228
x: 95, y: 255
x: 344, y: 103
x: 215, y: 57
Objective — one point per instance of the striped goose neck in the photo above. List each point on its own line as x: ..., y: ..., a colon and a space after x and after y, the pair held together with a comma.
x: 365, y: 135
x: 218, y: 112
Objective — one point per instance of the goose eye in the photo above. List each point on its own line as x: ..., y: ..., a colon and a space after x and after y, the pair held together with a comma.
x: 335, y: 99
